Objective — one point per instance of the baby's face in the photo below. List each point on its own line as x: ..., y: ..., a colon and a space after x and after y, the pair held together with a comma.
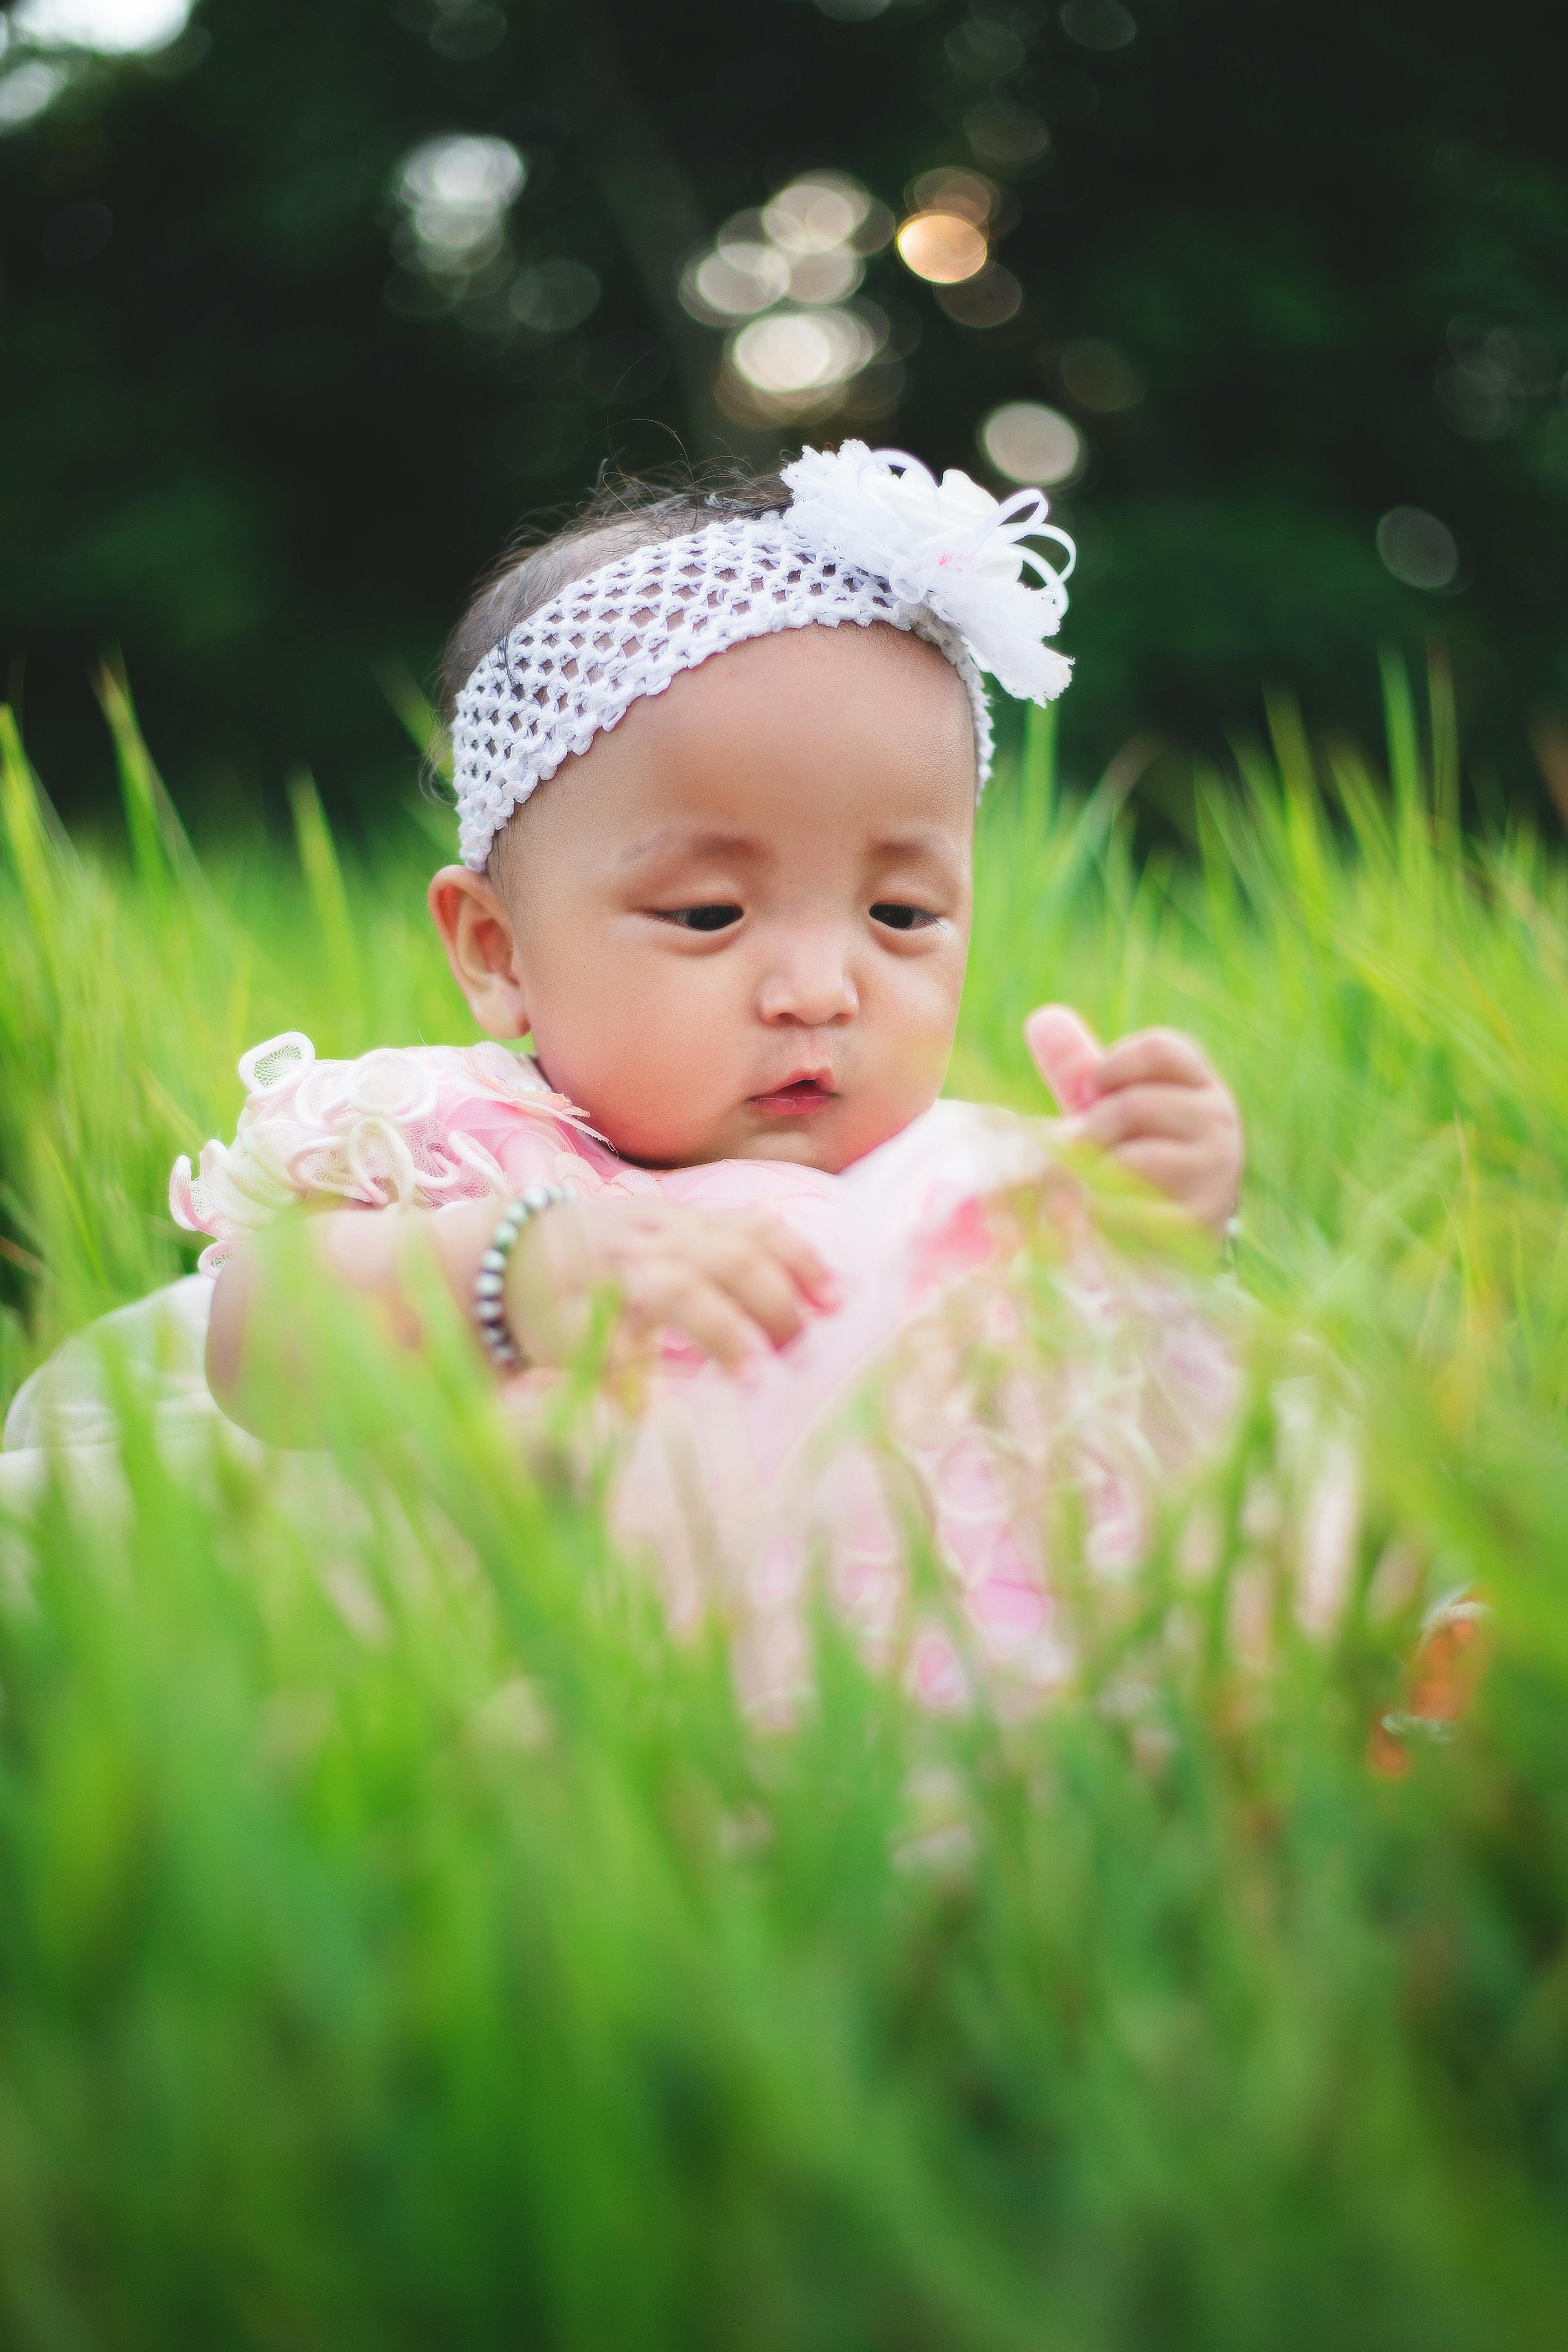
x: 737, y: 925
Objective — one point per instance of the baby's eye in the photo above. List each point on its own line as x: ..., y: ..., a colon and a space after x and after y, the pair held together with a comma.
x: 701, y: 918
x: 900, y: 918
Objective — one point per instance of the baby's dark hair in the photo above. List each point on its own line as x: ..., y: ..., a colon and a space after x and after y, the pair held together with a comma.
x: 624, y: 513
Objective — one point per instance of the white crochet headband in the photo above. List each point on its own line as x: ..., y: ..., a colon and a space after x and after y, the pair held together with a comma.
x: 870, y: 535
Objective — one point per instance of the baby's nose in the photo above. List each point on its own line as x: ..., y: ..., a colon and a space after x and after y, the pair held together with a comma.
x: 812, y: 985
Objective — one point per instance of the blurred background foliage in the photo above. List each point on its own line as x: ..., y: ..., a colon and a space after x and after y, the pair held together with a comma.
x: 306, y: 306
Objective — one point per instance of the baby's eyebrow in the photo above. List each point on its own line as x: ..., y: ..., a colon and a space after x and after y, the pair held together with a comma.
x: 672, y: 838
x: 932, y: 844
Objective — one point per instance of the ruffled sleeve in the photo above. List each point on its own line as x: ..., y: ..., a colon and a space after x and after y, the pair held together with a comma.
x: 413, y: 1126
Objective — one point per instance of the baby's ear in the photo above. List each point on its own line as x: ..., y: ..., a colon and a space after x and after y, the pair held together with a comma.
x: 482, y: 948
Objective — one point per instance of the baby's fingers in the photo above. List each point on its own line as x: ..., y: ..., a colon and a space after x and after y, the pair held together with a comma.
x: 1182, y: 1114
x: 1066, y: 1053
x: 756, y: 1280
x: 1160, y: 1056
x: 1190, y: 1175
x: 799, y: 1260
x: 1173, y: 1169
x: 671, y: 1294
x: 770, y: 1275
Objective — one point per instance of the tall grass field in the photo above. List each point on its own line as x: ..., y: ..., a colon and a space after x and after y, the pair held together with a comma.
x: 406, y: 1943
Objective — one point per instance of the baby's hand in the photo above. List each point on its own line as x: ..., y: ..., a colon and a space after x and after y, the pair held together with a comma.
x: 1152, y: 1102
x: 734, y: 1283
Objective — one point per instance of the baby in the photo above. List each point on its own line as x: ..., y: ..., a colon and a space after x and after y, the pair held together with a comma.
x: 717, y: 761
x: 729, y: 901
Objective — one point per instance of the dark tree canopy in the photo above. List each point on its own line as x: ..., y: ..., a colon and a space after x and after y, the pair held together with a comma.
x: 1288, y: 272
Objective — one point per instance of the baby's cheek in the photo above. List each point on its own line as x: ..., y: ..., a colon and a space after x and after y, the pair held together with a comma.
x: 925, y: 1058
x: 900, y: 1063
x: 661, y: 1092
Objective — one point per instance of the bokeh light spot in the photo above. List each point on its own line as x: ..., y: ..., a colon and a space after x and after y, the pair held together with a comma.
x: 735, y: 281
x: 457, y: 192
x: 744, y: 229
x: 984, y: 46
x: 791, y: 353
x: 987, y: 300
x: 1476, y: 403
x: 114, y: 27
x: 1419, y: 549
x: 27, y: 91
x: 1006, y: 134
x: 1497, y: 371
x: 875, y: 231
x: 1099, y: 377
x: 967, y: 195
x: 1099, y: 24
x: 825, y: 276
x: 942, y: 247
x: 1027, y: 442
x: 790, y: 269
x: 816, y: 213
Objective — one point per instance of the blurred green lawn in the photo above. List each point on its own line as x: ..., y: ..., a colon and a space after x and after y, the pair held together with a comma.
x: 403, y: 1943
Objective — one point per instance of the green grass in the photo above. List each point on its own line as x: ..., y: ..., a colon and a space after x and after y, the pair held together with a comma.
x: 404, y: 1944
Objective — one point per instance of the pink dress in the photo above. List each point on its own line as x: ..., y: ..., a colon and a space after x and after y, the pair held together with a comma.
x: 973, y: 1414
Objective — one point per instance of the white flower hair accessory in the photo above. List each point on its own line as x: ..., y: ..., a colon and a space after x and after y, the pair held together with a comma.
x: 869, y: 536
x: 949, y: 545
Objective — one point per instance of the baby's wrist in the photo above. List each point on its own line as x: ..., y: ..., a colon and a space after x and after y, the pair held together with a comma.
x: 516, y: 1289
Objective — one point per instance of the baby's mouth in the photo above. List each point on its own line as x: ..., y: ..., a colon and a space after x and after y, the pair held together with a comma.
x: 796, y: 1099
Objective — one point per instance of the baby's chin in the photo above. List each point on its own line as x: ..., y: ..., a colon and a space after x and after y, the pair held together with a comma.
x: 830, y: 1139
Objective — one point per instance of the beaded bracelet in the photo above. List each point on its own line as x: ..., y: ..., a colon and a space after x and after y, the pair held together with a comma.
x: 489, y: 1283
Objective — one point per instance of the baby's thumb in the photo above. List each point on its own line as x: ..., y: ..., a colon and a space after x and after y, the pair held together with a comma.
x: 1066, y: 1053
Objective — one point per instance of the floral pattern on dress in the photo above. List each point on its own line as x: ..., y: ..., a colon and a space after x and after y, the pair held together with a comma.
x: 401, y: 1127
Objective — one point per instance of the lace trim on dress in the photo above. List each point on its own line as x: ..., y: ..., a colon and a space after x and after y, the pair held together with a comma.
x: 368, y: 1131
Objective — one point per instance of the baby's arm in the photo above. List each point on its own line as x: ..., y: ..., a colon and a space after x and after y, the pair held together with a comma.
x: 1152, y: 1102
x: 734, y: 1283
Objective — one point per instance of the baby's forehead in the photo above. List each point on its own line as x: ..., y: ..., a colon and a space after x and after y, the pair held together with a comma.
x: 833, y: 743
x: 844, y: 673
x: 802, y: 683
